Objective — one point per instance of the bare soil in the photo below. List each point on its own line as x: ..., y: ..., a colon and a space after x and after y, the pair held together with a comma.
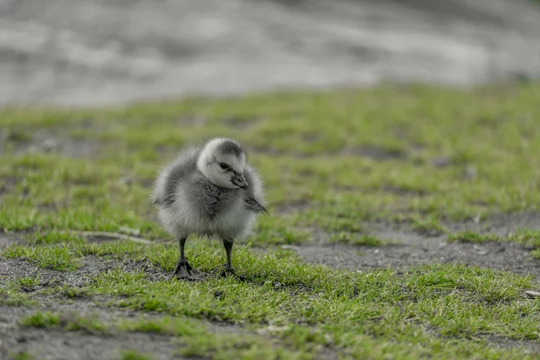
x: 60, y: 345
x: 412, y: 249
x: 409, y: 248
x: 85, y: 344
x: 90, y: 266
x: 82, y: 344
x: 47, y: 141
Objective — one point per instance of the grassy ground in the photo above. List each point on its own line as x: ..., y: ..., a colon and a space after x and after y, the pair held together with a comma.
x: 405, y: 224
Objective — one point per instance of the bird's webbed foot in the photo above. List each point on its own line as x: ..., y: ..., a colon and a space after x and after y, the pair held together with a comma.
x: 228, y: 271
x: 184, y: 271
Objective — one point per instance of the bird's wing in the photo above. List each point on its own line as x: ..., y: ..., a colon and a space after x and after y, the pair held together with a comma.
x: 254, y: 198
x: 172, y: 175
x: 252, y: 204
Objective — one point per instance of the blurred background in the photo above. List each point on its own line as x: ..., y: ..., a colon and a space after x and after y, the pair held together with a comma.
x: 102, y: 52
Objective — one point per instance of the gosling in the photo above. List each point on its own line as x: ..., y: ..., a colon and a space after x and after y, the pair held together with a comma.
x: 208, y: 190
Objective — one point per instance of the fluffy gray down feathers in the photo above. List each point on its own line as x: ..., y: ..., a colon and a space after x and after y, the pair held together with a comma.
x: 189, y: 203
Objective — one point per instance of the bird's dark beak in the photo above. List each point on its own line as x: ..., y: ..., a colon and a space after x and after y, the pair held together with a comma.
x: 240, y: 181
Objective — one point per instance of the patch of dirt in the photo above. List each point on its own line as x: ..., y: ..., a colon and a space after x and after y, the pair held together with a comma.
x: 83, y: 344
x: 10, y: 315
x: 376, y: 153
x: 6, y: 184
x: 500, y: 224
x: 411, y: 249
x: 8, y: 239
x: 268, y: 150
x: 528, y: 346
x: 292, y: 207
x: 371, y: 152
x: 91, y: 266
x: 46, y: 141
x: 326, y: 354
x: 405, y: 192
x: 441, y: 162
x: 192, y: 120
x: 60, y: 345
x: 88, y: 344
x: 239, y: 122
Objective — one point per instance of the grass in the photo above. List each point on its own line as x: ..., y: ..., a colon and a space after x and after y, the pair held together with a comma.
x: 29, y: 281
x: 196, y: 340
x: 21, y: 356
x: 429, y: 226
x: 41, y: 320
x: 334, y: 164
x: 492, y: 130
x: 90, y: 324
x: 527, y: 237
x: 356, y: 239
x: 11, y: 296
x: 54, y: 257
x: 238, y: 347
x: 472, y: 237
x: 134, y: 355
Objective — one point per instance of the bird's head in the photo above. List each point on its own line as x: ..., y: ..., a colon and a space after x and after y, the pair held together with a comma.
x: 222, y: 161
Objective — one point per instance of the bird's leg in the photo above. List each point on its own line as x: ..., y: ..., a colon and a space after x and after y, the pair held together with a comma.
x: 182, y: 258
x: 183, y: 269
x: 228, y: 244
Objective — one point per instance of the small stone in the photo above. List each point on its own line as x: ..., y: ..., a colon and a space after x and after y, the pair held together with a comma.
x: 532, y: 293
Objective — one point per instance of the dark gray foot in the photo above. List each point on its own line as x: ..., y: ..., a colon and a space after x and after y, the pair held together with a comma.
x: 228, y: 271
x: 184, y: 271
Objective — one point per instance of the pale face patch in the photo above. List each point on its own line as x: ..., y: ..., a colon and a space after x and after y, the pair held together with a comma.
x: 228, y: 170
x: 222, y: 162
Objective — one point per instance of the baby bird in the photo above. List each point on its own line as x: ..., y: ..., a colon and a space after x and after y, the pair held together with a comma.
x: 208, y: 190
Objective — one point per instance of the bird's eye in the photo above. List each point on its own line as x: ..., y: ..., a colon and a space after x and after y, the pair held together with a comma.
x: 224, y: 166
